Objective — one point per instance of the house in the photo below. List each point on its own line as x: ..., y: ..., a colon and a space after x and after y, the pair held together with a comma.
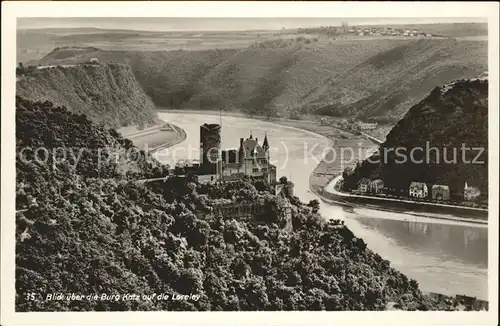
x: 377, y: 186
x: 418, y: 190
x: 363, y: 185
x: 440, y: 192
x: 471, y: 193
x: 94, y: 60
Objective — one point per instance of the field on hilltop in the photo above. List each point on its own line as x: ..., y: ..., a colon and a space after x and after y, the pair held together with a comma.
x: 33, y: 44
x: 285, y: 73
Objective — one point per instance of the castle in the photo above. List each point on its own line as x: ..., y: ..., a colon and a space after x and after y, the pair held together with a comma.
x: 251, y: 159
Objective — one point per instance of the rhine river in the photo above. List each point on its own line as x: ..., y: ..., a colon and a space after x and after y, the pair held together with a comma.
x: 443, y: 256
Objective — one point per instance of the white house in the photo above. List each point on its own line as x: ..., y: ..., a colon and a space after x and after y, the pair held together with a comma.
x: 418, y: 190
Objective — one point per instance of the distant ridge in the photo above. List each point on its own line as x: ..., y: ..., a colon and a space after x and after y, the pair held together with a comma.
x: 372, y: 79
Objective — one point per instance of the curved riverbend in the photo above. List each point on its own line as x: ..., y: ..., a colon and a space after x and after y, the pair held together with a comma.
x: 443, y: 256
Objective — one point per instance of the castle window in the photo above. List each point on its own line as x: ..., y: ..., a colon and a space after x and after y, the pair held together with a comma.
x: 255, y: 170
x: 264, y: 170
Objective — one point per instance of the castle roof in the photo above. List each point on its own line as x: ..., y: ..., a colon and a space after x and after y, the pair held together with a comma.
x: 251, y: 146
x: 265, y: 144
x: 418, y: 185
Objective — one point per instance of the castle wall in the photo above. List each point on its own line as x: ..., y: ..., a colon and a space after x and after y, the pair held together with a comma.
x: 248, y: 211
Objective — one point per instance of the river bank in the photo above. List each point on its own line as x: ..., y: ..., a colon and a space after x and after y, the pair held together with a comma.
x: 154, y: 138
x: 331, y: 195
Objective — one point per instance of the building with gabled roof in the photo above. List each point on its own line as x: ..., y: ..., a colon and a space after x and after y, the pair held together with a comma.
x: 418, y: 190
x: 440, y: 192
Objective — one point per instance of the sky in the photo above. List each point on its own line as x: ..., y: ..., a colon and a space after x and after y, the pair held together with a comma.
x: 218, y: 24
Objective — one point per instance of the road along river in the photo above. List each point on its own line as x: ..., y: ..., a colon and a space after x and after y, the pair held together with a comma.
x: 443, y: 256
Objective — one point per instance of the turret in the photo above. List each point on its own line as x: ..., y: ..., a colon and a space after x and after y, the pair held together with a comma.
x: 265, y: 144
x: 241, y: 155
x: 210, y: 148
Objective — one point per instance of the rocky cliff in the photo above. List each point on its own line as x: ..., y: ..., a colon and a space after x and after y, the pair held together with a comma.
x: 106, y: 93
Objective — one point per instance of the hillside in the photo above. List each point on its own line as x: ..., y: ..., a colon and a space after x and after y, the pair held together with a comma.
x: 274, y: 75
x: 372, y: 78
x: 71, y: 147
x: 385, y: 85
x: 106, y: 93
x: 89, y: 230
x: 449, y: 118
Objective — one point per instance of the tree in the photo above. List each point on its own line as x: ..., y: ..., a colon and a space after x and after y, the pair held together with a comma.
x: 314, y: 203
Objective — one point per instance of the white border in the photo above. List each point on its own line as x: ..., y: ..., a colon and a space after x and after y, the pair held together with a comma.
x: 12, y: 10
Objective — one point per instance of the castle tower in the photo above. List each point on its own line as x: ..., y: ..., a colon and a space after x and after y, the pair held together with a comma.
x: 210, y: 149
x: 265, y: 146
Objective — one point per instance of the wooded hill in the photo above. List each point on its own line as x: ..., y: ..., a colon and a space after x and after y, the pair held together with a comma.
x: 90, y: 229
x: 449, y: 118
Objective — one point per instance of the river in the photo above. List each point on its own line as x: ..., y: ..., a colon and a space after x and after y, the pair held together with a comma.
x: 443, y: 256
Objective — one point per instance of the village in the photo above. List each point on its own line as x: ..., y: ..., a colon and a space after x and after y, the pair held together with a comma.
x: 346, y: 29
x: 386, y: 31
x: 421, y: 191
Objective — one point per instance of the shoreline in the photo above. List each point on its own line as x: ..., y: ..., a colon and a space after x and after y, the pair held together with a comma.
x: 154, y: 131
x: 448, y: 212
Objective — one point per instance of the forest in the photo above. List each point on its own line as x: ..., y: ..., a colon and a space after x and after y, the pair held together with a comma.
x: 88, y: 227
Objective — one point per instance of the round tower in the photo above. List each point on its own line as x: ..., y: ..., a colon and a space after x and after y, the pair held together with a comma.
x: 210, y: 148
